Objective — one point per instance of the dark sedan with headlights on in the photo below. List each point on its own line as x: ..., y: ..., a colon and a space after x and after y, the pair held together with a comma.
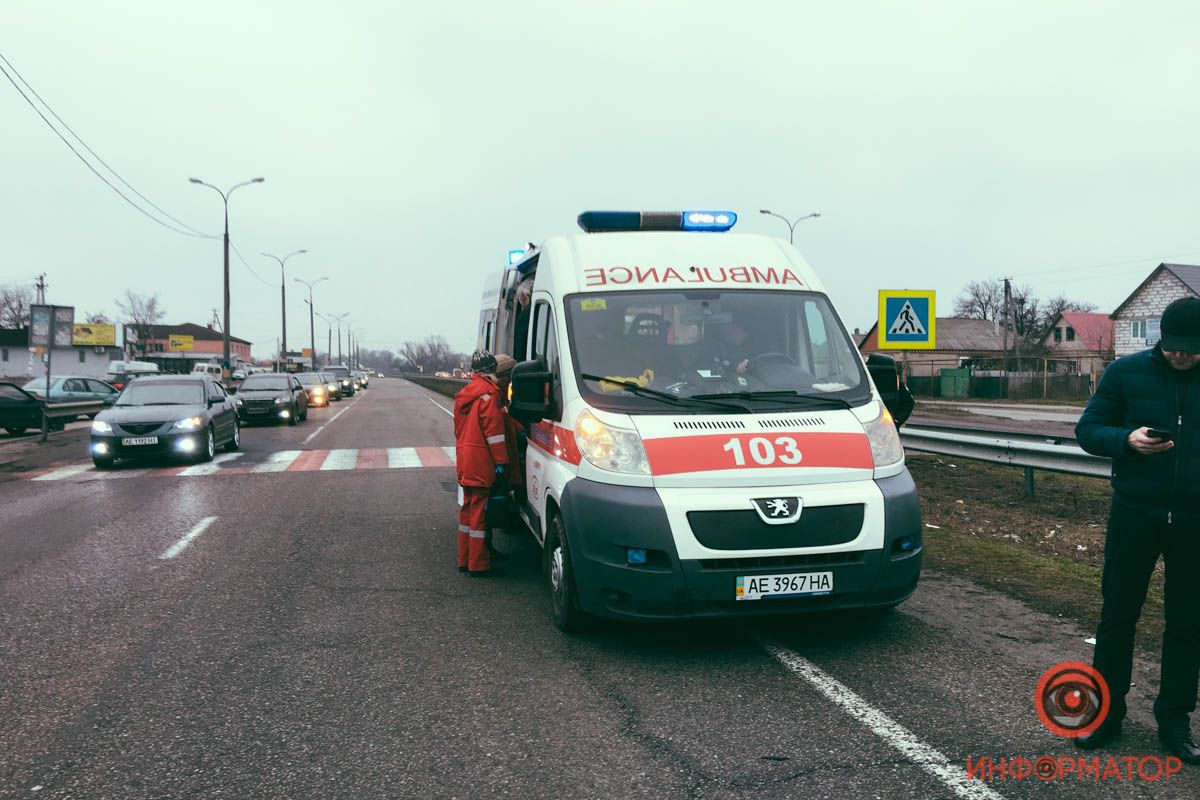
x: 272, y: 397
x: 344, y: 378
x: 315, y: 387
x: 333, y: 386
x: 166, y: 415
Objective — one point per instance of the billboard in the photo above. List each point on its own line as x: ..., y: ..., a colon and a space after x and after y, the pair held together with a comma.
x: 39, y: 326
x: 94, y: 334
x: 51, y: 325
x: 178, y: 343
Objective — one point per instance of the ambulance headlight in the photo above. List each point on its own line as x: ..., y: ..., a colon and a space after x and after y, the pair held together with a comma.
x: 609, y: 448
x: 885, y: 440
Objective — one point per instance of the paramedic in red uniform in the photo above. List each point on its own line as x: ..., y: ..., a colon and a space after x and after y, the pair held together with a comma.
x: 482, y: 457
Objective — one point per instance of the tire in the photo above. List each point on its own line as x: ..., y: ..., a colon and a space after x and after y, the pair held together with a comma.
x: 103, y: 462
x: 235, y: 441
x: 16, y: 431
x: 560, y: 577
x: 292, y: 417
x: 209, y: 448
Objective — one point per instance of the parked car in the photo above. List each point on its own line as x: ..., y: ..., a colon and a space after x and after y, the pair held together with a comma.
x: 20, y: 411
x: 73, y: 389
x: 363, y: 378
x: 214, y: 370
x: 238, y: 375
x: 167, y: 415
x: 315, y: 387
x: 270, y: 397
x: 121, y: 373
x: 334, y: 385
x: 344, y: 378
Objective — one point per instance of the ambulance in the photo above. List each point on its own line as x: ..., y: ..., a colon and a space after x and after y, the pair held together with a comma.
x: 702, y: 437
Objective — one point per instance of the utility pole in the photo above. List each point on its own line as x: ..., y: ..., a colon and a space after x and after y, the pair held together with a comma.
x: 1007, y: 309
x: 41, y: 289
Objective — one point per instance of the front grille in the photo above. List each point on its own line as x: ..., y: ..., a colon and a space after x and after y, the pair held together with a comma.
x: 140, y: 428
x: 793, y: 422
x: 259, y: 403
x: 709, y: 425
x: 818, y: 526
x: 784, y: 562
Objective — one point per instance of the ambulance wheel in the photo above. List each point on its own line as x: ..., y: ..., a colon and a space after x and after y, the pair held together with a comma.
x: 568, y: 617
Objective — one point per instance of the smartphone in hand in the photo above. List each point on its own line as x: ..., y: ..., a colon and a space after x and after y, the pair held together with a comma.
x: 1159, y: 433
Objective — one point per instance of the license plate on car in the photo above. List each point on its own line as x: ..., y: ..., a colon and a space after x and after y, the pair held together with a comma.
x: 800, y: 584
x: 133, y: 441
x: 256, y: 410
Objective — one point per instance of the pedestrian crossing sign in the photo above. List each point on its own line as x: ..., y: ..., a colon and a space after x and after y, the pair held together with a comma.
x: 907, y: 320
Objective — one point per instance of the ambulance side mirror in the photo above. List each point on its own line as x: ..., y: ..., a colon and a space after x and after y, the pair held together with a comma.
x: 530, y: 392
x: 886, y: 376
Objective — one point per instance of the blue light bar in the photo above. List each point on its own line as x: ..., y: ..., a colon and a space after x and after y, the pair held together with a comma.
x: 515, y: 256
x: 696, y: 221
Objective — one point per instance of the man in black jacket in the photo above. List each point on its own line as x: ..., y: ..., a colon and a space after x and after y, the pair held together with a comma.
x: 1145, y: 415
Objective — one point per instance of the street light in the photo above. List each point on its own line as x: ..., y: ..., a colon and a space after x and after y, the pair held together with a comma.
x: 328, y: 339
x: 312, y: 331
x: 339, y: 318
x: 283, y: 294
x: 791, y: 225
x: 225, y: 199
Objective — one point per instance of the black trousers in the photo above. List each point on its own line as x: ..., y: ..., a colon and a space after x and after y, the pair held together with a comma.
x: 1134, y: 543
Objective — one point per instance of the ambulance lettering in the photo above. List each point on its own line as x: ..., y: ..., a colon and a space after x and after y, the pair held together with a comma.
x: 784, y: 450
x: 669, y: 276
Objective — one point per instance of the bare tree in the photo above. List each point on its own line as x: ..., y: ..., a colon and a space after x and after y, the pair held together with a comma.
x: 981, y: 300
x: 430, y: 355
x: 14, y: 306
x: 98, y: 318
x: 140, y: 312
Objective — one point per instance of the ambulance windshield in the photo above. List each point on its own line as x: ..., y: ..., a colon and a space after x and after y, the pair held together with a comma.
x: 713, y: 343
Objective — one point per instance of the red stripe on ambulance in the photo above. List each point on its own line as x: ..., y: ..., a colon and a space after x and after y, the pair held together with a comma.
x: 776, y: 450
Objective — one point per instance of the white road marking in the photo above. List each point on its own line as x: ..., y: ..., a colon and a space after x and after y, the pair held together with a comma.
x: 178, y: 547
x: 278, y: 462
x: 402, y: 457
x: 883, y: 726
x: 212, y: 467
x: 65, y: 472
x: 451, y: 453
x: 339, y: 459
x: 318, y: 430
x: 439, y: 405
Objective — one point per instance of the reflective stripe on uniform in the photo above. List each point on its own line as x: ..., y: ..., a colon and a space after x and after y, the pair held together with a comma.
x: 496, y: 439
x: 478, y: 534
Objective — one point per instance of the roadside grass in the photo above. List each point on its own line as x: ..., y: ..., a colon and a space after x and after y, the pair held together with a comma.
x: 1006, y: 401
x: 1047, y: 552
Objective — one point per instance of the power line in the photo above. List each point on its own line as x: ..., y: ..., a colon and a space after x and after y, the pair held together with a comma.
x: 88, y: 164
x: 246, y: 264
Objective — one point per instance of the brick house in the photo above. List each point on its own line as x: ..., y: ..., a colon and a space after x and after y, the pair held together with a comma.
x: 959, y: 341
x: 1137, y: 319
x: 207, y: 345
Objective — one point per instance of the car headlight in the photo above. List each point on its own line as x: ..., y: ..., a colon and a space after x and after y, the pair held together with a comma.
x: 345, y: 382
x: 886, y: 448
x: 609, y: 448
x: 240, y: 402
x: 318, y: 390
x: 189, y: 424
x: 100, y: 426
x: 280, y: 401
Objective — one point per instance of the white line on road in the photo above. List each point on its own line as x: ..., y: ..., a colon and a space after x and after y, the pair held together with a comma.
x: 178, y: 547
x: 212, y: 467
x: 339, y: 459
x: 883, y: 726
x: 439, y: 405
x: 65, y: 472
x: 278, y: 462
x: 403, y: 457
x: 451, y: 453
x: 331, y: 419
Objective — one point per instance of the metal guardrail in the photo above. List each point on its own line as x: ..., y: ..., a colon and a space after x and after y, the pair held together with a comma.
x: 55, y: 416
x: 1018, y: 450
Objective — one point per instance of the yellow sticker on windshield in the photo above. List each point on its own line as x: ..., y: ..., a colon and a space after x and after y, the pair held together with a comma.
x: 596, y: 304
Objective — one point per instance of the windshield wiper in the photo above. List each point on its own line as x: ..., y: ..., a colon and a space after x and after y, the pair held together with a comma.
x: 784, y: 395
x: 642, y: 391
x: 164, y: 404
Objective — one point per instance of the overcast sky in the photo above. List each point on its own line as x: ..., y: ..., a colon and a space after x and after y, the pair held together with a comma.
x: 408, y: 149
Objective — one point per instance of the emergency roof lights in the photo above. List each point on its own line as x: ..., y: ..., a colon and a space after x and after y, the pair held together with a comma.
x: 696, y: 221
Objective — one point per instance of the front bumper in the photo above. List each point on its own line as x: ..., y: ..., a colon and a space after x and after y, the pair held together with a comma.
x: 603, y: 520
x: 176, y: 443
x: 271, y: 414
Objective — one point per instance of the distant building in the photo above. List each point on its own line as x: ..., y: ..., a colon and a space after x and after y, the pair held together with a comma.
x: 18, y: 359
x: 1137, y: 319
x: 959, y: 341
x: 177, y: 347
x: 1082, y: 342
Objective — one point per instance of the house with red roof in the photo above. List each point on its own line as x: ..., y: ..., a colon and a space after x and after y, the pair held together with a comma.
x: 1081, y: 342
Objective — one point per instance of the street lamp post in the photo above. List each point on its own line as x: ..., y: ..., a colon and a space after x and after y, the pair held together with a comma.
x: 283, y: 296
x: 328, y: 339
x: 791, y: 225
x: 339, y: 318
x: 312, y: 331
x: 225, y: 199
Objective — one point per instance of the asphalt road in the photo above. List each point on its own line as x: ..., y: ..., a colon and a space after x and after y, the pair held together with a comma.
x: 289, y: 623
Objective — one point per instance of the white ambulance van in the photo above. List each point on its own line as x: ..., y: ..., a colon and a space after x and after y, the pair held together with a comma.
x: 703, y: 438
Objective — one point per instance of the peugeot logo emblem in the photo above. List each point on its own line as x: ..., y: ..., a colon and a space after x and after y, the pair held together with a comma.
x: 778, y: 510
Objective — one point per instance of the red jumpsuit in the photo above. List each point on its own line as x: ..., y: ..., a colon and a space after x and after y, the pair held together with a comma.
x: 480, y: 446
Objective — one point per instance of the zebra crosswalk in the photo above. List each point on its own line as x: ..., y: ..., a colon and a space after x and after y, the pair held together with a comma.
x: 241, y: 463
